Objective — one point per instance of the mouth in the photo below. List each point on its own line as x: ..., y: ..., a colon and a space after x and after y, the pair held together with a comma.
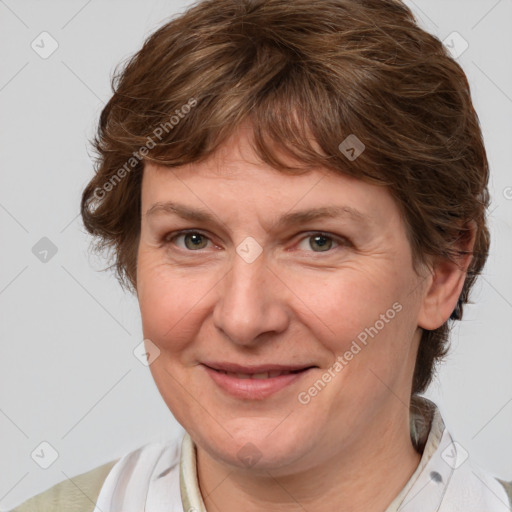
x: 260, y: 375
x: 254, y: 382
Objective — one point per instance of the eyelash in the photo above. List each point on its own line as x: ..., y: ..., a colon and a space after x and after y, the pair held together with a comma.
x: 341, y: 241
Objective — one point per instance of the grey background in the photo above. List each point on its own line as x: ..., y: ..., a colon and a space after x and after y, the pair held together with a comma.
x: 68, y: 373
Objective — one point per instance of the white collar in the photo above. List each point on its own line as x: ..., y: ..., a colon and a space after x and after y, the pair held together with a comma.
x: 162, y: 477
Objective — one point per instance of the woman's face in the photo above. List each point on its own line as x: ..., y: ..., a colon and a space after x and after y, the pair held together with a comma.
x: 334, y: 296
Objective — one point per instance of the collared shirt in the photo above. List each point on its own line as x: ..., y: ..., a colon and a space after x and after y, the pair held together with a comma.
x: 162, y: 477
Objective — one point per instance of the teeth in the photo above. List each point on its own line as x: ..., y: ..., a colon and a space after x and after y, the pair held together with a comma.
x: 262, y: 375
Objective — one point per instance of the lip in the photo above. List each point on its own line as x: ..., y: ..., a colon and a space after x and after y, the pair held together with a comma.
x: 254, y: 389
x: 260, y: 368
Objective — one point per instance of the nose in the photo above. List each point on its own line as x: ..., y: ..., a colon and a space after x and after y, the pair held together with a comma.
x: 252, y: 302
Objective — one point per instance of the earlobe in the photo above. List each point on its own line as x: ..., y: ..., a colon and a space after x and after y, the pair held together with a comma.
x: 446, y: 283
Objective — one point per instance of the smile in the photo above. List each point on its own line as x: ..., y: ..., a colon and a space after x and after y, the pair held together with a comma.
x: 255, y: 385
x: 263, y: 375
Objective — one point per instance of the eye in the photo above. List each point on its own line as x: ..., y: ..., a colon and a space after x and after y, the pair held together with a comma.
x: 193, y: 240
x: 322, y: 241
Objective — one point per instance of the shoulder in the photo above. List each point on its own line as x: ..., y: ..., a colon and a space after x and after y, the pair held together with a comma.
x: 149, y: 474
x: 77, y: 494
x: 474, y: 488
x: 508, y: 489
x: 463, y: 485
x: 80, y: 493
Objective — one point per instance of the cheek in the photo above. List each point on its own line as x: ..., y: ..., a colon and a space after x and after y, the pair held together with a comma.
x: 345, y: 303
x: 370, y: 329
x: 170, y: 303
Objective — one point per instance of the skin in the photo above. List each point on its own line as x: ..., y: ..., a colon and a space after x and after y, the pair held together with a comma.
x: 349, y: 447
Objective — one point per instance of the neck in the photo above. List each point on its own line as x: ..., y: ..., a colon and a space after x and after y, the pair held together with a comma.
x: 366, y: 476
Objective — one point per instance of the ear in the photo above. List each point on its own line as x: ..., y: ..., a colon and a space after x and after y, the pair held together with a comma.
x: 446, y: 283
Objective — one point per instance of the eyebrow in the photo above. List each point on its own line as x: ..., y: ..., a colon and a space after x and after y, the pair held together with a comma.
x: 288, y: 219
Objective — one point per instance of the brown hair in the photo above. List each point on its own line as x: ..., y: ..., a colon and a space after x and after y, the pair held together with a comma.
x: 306, y: 75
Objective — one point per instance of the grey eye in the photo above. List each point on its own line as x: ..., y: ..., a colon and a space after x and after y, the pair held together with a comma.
x: 194, y: 240
x: 318, y: 241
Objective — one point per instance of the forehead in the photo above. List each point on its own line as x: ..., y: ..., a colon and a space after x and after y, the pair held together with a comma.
x: 260, y: 199
x: 235, y: 179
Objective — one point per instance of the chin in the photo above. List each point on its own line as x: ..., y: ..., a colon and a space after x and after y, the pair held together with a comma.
x: 254, y: 449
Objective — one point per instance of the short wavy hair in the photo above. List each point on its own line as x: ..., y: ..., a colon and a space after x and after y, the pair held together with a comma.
x: 305, y: 75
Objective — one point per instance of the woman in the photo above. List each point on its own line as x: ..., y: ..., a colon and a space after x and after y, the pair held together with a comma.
x: 296, y: 192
